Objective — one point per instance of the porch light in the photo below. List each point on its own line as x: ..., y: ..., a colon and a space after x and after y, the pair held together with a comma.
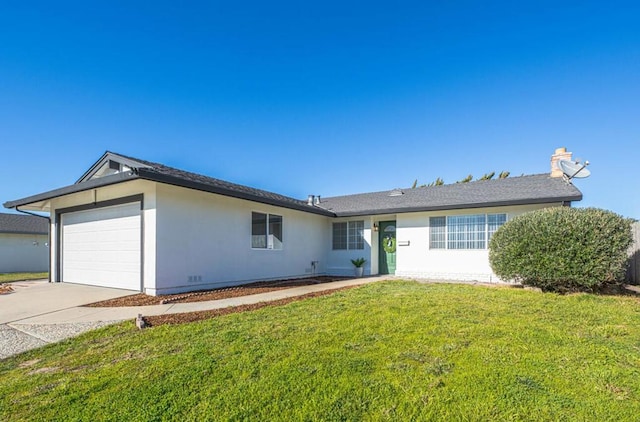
x: 375, y: 227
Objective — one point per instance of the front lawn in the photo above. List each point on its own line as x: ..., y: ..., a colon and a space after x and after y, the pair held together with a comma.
x: 384, y: 351
x: 9, y: 277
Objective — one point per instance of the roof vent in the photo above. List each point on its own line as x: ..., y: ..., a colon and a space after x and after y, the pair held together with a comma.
x: 114, y: 165
x: 396, y: 192
x: 311, y: 199
x: 316, y: 200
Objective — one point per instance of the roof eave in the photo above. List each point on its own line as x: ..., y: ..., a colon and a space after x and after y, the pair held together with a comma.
x: 402, y: 210
x: 75, y: 188
x: 189, y: 184
x: 160, y: 178
x: 22, y: 232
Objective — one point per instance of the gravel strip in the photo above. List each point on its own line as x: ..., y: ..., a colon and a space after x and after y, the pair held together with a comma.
x: 18, y: 338
x: 13, y: 342
x: 58, y: 332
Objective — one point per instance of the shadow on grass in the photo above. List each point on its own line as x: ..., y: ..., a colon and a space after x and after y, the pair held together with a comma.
x: 618, y: 289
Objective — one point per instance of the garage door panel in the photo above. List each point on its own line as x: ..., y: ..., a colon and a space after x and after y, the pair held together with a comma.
x: 82, y: 266
x: 82, y: 246
x: 104, y: 236
x: 102, y: 246
x: 104, y: 257
x: 109, y: 216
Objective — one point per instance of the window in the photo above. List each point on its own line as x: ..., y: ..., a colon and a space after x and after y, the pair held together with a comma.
x: 463, y: 231
x: 266, y: 231
x: 339, y: 236
x: 494, y: 223
x: 438, y: 234
x: 356, y: 234
x: 466, y: 231
x: 348, y: 235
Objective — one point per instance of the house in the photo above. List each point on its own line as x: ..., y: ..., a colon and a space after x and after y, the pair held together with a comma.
x: 134, y: 224
x: 24, y: 243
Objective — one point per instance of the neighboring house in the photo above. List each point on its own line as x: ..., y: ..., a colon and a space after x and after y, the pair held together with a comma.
x: 138, y: 225
x: 23, y: 243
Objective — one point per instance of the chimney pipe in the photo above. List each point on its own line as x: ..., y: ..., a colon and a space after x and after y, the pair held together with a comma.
x: 316, y: 201
x: 310, y: 200
x: 560, y: 154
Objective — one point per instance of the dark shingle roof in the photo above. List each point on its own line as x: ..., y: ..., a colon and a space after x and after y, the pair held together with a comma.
x: 165, y: 174
x: 157, y: 172
x: 23, y: 224
x: 535, y: 189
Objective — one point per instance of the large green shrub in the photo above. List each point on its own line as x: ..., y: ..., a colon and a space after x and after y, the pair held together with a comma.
x: 562, y: 249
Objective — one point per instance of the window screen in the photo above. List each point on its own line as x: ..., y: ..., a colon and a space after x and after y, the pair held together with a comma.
x: 356, y: 234
x: 258, y: 230
x: 437, y: 232
x: 466, y: 232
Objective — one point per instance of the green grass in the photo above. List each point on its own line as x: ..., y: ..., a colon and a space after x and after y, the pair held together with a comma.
x: 9, y: 277
x: 386, y: 351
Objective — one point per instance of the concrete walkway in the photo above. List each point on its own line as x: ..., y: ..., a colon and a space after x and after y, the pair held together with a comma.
x: 48, y: 327
x: 84, y: 314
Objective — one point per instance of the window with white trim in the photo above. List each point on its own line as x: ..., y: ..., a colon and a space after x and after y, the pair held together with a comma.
x: 266, y: 231
x: 348, y: 235
x: 463, y: 231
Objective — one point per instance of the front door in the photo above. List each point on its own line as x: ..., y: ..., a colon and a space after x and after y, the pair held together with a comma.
x: 387, y: 247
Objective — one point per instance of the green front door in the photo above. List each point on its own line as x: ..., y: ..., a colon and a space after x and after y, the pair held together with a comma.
x: 387, y: 247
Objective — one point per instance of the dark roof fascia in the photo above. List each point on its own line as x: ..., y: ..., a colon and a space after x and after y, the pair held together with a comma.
x: 22, y: 232
x: 79, y: 187
x: 204, y: 187
x: 160, y: 178
x: 459, y: 206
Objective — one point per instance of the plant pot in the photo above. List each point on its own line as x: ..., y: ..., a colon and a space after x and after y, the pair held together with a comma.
x: 359, y: 271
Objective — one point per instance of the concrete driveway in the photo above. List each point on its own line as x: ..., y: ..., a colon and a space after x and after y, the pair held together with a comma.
x: 34, y: 298
x: 37, y: 299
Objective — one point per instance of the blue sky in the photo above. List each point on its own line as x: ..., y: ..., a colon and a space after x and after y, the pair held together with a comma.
x: 322, y: 98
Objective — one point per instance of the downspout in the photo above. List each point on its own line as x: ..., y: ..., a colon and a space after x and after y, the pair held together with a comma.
x: 48, y: 233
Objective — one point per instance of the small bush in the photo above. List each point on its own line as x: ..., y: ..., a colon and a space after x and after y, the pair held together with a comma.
x: 562, y: 249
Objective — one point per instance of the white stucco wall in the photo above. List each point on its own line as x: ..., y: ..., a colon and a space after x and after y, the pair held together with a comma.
x: 23, y: 253
x: 339, y: 261
x: 204, y: 241
x: 417, y: 260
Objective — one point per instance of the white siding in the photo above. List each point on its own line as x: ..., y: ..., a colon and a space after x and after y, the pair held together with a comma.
x: 23, y: 253
x: 204, y: 241
x: 417, y: 260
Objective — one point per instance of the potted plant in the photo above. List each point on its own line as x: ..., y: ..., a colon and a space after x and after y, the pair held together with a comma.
x: 359, y: 264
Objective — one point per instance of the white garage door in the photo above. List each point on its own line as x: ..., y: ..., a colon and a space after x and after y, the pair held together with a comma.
x: 101, y: 246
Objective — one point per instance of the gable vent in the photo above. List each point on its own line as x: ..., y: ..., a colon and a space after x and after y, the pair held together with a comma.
x: 114, y: 165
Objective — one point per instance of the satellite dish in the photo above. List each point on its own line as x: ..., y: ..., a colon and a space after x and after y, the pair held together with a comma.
x: 574, y: 169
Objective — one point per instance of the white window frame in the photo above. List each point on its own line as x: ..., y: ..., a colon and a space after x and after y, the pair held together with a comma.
x: 272, y: 243
x: 354, y: 236
x: 442, y: 237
